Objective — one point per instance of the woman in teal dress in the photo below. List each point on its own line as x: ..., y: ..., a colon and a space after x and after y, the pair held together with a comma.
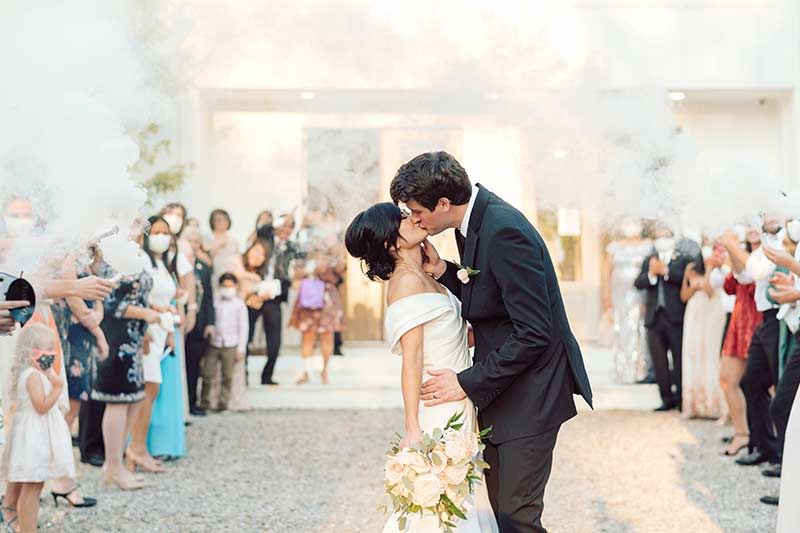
x: 166, y: 438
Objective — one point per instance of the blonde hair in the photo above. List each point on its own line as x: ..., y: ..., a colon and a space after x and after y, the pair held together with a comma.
x: 34, y: 336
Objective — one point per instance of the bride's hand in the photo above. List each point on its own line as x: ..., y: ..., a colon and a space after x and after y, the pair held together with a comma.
x: 411, y: 438
x: 433, y: 264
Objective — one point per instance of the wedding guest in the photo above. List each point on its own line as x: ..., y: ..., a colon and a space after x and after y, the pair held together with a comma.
x: 197, y: 339
x: 318, y: 312
x: 222, y: 246
x: 155, y: 245
x: 761, y: 372
x: 118, y: 381
x: 7, y: 322
x: 228, y: 345
x: 193, y: 222
x: 38, y: 447
x: 264, y: 229
x: 661, y: 276
x: 631, y: 355
x: 744, y: 320
x: 251, y: 271
x: 285, y: 253
x: 703, y: 322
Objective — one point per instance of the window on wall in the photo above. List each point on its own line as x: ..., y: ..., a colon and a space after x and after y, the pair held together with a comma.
x: 561, y: 230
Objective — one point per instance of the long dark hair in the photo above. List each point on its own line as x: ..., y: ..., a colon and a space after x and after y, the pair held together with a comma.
x: 261, y: 270
x: 146, y: 245
x: 371, y: 235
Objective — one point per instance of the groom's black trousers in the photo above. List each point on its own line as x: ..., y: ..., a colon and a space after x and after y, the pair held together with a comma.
x: 516, y: 480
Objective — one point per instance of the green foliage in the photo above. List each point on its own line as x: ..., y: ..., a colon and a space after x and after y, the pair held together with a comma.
x: 148, y: 171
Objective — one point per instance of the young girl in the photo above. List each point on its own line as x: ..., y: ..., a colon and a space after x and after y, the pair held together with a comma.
x: 38, y: 446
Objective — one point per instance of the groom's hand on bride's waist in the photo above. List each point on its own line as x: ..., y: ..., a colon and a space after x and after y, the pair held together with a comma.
x: 443, y: 387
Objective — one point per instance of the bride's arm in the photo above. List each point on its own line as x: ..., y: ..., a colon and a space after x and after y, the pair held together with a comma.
x: 411, y: 382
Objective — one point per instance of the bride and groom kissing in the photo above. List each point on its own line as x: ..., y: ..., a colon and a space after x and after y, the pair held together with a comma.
x: 527, y: 363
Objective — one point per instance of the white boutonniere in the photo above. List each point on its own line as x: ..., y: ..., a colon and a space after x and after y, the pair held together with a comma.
x: 465, y: 272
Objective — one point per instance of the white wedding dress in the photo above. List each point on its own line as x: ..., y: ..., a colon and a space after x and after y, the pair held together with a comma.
x: 444, y: 346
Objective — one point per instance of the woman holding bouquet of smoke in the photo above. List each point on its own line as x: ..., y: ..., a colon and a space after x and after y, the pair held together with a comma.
x: 424, y: 324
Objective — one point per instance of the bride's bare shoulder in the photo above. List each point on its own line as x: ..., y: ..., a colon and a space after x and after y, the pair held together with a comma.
x: 402, y: 285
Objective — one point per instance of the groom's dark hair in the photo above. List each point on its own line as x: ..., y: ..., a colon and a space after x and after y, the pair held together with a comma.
x: 429, y: 177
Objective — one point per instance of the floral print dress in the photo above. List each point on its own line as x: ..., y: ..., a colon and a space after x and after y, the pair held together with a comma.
x: 120, y: 378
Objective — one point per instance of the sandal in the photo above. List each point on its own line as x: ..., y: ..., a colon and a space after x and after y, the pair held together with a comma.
x: 87, y: 502
x: 730, y: 453
x: 9, y: 526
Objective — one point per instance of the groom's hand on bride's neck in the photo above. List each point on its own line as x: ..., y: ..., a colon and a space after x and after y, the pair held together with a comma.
x: 433, y: 265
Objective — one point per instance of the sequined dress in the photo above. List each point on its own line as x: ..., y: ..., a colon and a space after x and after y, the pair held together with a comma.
x: 630, y: 339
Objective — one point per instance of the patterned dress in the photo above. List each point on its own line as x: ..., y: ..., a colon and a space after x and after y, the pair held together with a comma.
x: 120, y: 378
x: 331, y: 317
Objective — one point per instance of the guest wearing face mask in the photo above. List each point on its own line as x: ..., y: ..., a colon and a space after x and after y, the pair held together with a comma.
x: 761, y: 372
x: 264, y: 229
x: 785, y: 290
x: 661, y: 276
x: 229, y: 343
x: 155, y: 246
x: 631, y: 355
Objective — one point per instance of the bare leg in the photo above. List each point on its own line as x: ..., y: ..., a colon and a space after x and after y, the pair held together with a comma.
x: 307, y: 348
x: 137, y: 451
x: 326, y: 346
x: 72, y: 414
x: 29, y: 506
x: 11, y: 500
x: 114, y: 433
x: 730, y: 375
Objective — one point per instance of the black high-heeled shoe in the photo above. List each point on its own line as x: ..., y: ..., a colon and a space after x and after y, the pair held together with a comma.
x: 87, y: 502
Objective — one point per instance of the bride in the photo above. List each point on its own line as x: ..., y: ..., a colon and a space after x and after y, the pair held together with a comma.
x: 424, y: 325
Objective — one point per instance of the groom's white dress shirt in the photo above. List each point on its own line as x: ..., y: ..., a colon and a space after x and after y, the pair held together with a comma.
x: 465, y: 222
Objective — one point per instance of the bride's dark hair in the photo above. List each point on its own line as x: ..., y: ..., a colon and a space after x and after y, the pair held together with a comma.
x: 370, y: 235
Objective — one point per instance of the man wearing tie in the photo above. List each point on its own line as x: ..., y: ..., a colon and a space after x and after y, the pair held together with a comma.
x: 661, y: 276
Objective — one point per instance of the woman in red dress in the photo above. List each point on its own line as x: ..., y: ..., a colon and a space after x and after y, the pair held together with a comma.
x: 744, y: 320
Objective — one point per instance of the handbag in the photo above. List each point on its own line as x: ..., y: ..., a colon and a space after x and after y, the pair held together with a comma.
x: 312, y: 294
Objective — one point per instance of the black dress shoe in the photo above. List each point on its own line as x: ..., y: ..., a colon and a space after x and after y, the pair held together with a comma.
x: 666, y: 406
x: 752, y: 459
x: 196, y: 411
x: 772, y: 471
x: 770, y: 500
x: 269, y: 382
x: 646, y: 381
x: 94, y: 460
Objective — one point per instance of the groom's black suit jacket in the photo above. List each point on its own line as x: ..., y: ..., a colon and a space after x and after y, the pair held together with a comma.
x: 527, y: 362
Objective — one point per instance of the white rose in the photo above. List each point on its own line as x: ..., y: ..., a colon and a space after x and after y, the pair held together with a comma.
x: 473, y: 444
x: 463, y: 275
x: 455, y: 446
x: 427, y: 490
x: 454, y: 475
x: 399, y: 490
x: 413, y: 460
x: 393, y: 471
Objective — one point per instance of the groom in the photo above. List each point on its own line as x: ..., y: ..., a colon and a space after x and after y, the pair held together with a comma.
x: 527, y: 362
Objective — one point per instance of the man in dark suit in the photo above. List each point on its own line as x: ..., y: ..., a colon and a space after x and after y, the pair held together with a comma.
x: 284, y: 252
x: 197, y: 339
x: 527, y: 362
x: 662, y: 276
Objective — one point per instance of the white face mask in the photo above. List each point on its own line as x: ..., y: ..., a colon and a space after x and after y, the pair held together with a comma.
x: 160, y: 243
x: 19, y: 227
x: 174, y: 222
x: 664, y: 244
x: 707, y: 252
x: 774, y: 241
x: 741, y: 232
x: 227, y: 292
x: 793, y: 230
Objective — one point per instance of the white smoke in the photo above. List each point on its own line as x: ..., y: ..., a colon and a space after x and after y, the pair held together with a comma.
x: 77, y: 79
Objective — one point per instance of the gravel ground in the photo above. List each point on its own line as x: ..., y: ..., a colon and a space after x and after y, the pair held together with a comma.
x: 317, y: 471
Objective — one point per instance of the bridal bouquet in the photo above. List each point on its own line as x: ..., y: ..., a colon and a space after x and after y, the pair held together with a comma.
x: 435, y: 476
